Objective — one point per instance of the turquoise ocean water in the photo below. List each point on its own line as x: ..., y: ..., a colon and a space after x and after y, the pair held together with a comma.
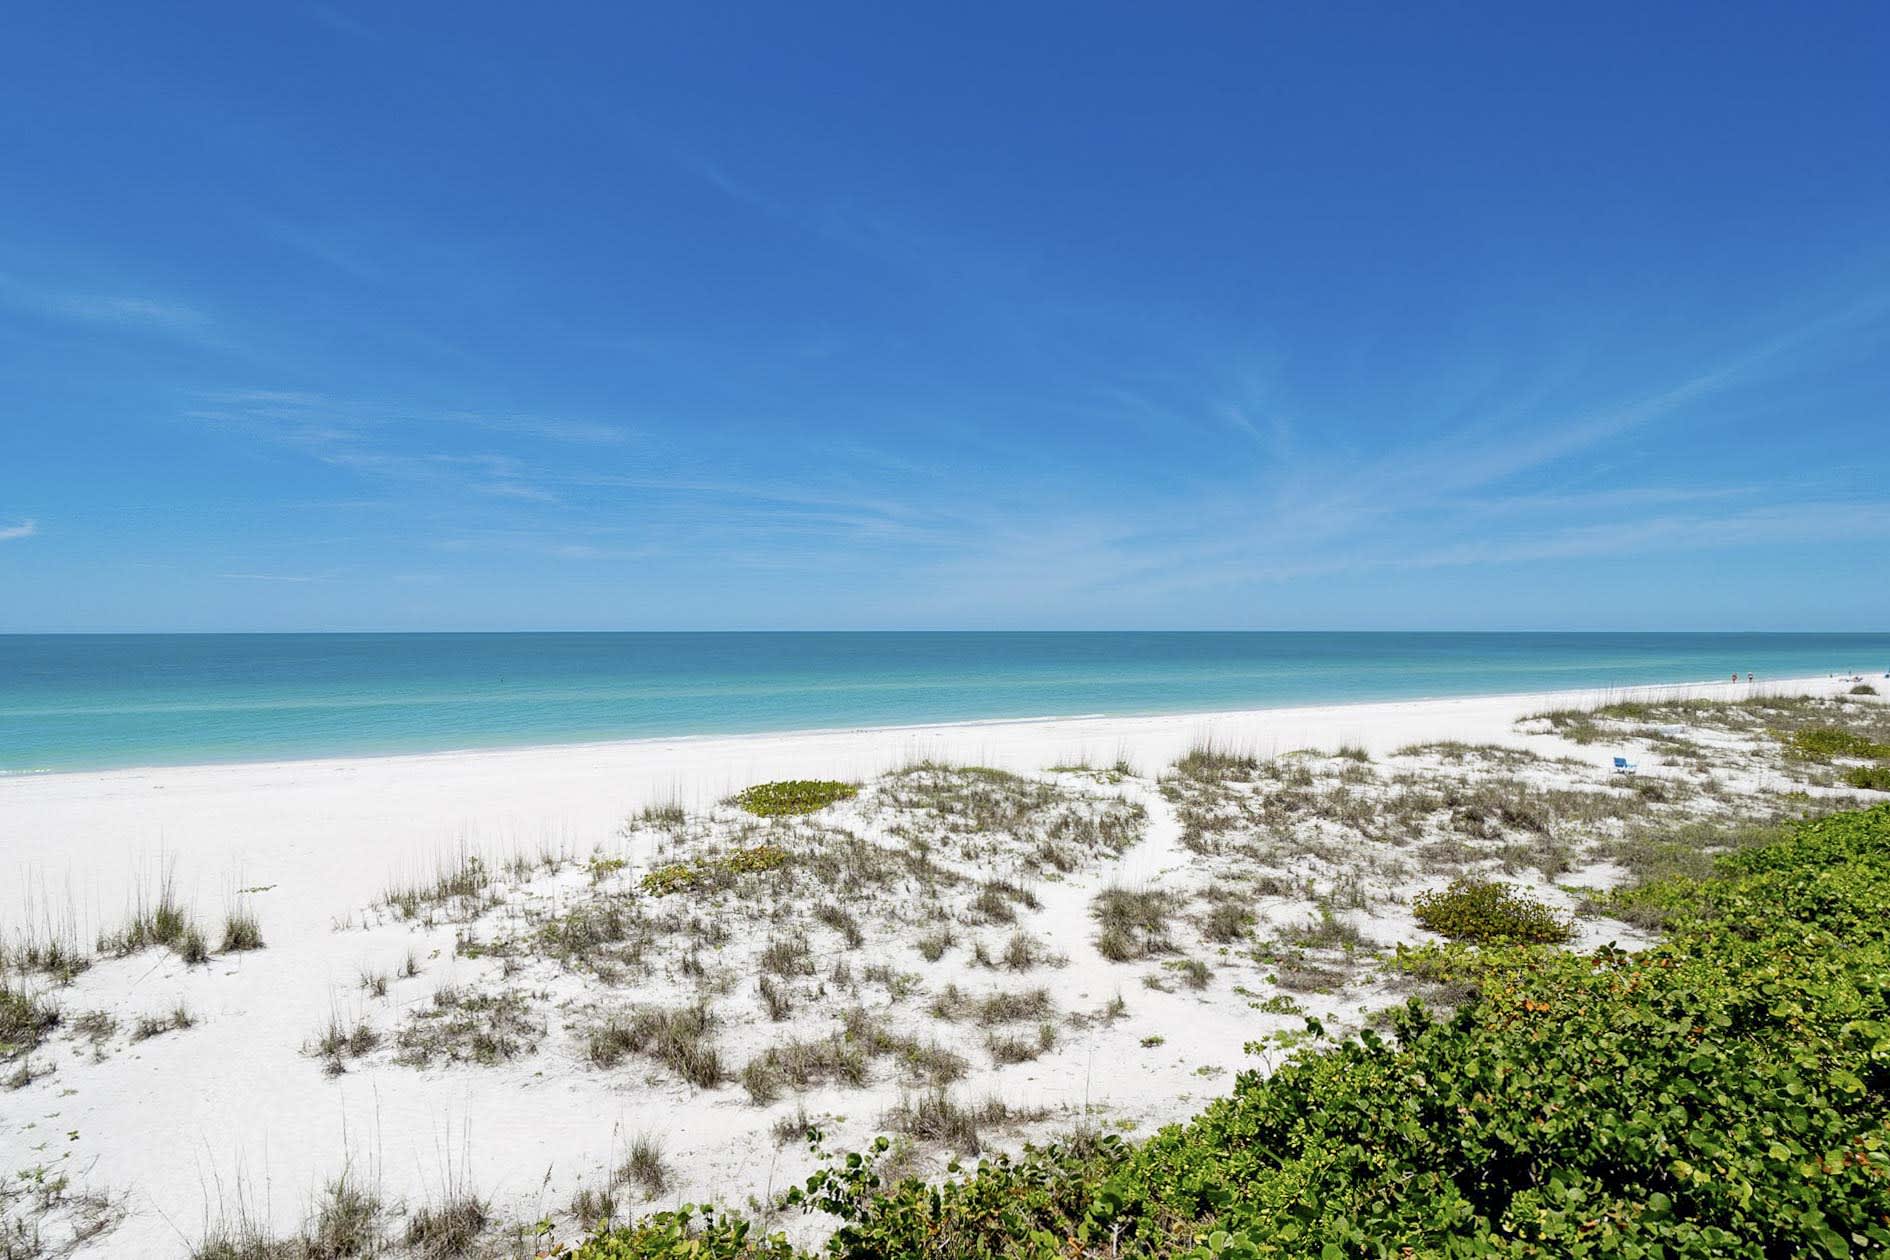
x: 92, y: 701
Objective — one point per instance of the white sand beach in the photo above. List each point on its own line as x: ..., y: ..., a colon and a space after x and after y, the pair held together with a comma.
x: 235, y: 1116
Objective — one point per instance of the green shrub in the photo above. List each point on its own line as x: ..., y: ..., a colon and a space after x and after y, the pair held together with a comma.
x: 674, y: 877
x: 793, y: 796
x: 1863, y: 689
x: 1875, y: 777
x: 1821, y: 743
x: 689, y: 1231
x: 1483, y: 911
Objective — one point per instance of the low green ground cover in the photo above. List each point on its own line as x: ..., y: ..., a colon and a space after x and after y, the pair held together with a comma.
x: 793, y: 796
x: 1724, y: 1093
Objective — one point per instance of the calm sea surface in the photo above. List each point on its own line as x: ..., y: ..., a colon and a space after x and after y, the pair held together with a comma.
x: 89, y: 701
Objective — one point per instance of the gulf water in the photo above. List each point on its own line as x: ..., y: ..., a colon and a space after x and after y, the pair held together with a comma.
x: 72, y: 702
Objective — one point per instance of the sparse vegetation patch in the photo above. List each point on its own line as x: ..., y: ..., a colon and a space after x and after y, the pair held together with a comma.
x: 713, y: 870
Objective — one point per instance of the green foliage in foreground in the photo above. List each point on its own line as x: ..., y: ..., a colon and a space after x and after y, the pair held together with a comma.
x: 1877, y: 777
x: 793, y: 796
x: 687, y: 1232
x: 1485, y: 911
x: 1724, y: 1093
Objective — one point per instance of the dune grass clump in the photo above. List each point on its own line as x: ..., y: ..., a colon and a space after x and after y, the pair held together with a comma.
x: 787, y: 956
x: 644, y: 1166
x: 348, y: 1222
x: 1193, y: 972
x: 177, y: 1018
x: 25, y: 1019
x: 1863, y: 689
x: 1209, y: 761
x: 463, y: 1027
x: 96, y: 1027
x: 1009, y: 1048
x: 935, y: 1116
x: 792, y: 796
x: 439, y: 1231
x: 1226, y: 922
x: 841, y: 921
x: 798, y: 1127
x: 801, y: 1064
x: 680, y: 1038
x: 462, y: 888
x: 594, y: 1209
x: 599, y: 934
x: 997, y: 1007
x: 1487, y: 912
x: 662, y: 815
x: 55, y: 954
x: 1133, y: 922
x: 340, y: 1042
x: 776, y: 998
x: 241, y: 931
x: 1578, y: 726
x: 162, y: 921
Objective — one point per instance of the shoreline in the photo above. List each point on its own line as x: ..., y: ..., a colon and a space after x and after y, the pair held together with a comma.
x: 1564, y: 698
x: 334, y: 833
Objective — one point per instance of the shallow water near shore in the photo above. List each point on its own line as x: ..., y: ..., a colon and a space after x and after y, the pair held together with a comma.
x: 70, y: 702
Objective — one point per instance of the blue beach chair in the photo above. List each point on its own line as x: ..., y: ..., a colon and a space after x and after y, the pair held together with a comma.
x: 1623, y: 766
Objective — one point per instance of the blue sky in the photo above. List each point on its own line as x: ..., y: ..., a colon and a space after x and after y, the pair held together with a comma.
x: 473, y: 316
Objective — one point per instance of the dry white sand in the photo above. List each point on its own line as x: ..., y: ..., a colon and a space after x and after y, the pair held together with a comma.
x: 186, y: 1124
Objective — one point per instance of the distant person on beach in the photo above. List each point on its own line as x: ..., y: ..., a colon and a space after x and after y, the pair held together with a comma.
x: 1748, y: 675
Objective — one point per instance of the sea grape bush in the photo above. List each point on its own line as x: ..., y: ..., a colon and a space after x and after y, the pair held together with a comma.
x: 793, y: 796
x: 689, y: 1231
x: 1726, y: 1092
x: 1485, y: 911
x: 1821, y: 743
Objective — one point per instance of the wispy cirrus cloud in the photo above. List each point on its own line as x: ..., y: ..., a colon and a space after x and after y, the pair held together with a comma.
x: 25, y: 529
x: 88, y: 306
x: 272, y: 577
x: 344, y: 23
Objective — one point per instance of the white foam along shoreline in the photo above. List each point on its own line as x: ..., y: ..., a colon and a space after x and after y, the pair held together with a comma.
x: 174, y: 1119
